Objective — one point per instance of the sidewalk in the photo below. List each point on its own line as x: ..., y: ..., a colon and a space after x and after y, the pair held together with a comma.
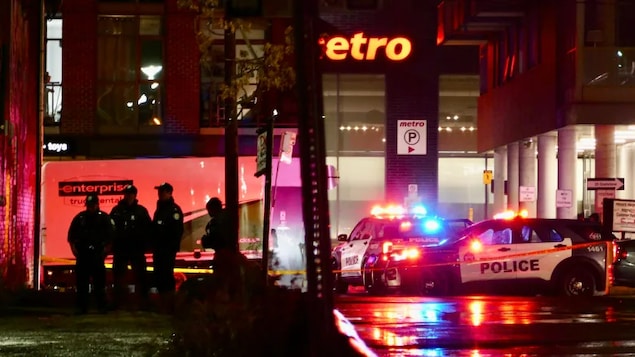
x: 43, y: 324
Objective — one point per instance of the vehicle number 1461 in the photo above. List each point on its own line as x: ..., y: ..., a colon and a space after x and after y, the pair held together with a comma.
x: 595, y: 248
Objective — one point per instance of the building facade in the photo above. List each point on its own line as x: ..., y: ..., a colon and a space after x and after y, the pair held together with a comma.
x: 108, y: 97
x: 19, y: 131
x: 556, y: 98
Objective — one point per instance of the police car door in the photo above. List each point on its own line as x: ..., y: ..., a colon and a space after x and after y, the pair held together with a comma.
x: 485, y: 254
x: 540, y: 248
x: 354, y: 250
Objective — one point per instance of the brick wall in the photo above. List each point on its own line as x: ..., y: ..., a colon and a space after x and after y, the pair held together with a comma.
x: 411, y: 87
x: 182, y: 76
x: 79, y: 78
x: 18, y: 143
x: 79, y: 58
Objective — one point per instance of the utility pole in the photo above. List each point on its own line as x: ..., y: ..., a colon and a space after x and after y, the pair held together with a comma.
x: 231, y: 140
x: 313, y: 175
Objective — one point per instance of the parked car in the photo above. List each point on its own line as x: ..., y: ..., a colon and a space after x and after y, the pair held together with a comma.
x: 624, y: 265
x: 356, y: 260
x: 534, y: 255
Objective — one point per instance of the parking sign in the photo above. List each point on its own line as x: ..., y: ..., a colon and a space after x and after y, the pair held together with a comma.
x: 411, y: 137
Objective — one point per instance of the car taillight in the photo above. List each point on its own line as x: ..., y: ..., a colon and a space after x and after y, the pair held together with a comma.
x: 405, y: 254
x: 620, y: 253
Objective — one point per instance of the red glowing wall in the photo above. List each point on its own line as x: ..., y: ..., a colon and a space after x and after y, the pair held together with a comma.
x: 19, y: 37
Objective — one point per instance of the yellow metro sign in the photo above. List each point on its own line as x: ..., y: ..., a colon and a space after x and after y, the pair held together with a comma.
x: 362, y: 48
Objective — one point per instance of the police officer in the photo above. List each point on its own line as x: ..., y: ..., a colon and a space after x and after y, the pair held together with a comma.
x: 216, y: 231
x: 168, y: 231
x: 133, y: 225
x: 90, y: 236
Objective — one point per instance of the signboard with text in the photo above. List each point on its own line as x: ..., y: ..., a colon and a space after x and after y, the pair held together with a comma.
x: 364, y: 48
x: 564, y: 198
x: 411, y: 137
x: 619, y: 215
x: 527, y: 194
x: 611, y: 183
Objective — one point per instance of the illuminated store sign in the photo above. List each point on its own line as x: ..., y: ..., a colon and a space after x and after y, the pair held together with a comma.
x: 58, y: 147
x: 363, y: 48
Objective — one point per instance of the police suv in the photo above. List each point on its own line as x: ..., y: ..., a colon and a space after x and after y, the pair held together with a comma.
x: 562, y: 256
x: 357, y: 259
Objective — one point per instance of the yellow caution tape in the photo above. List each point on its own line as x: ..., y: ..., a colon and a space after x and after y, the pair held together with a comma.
x: 497, y: 258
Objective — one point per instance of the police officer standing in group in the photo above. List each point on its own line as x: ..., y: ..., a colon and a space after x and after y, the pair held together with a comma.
x: 216, y: 231
x: 133, y: 227
x: 166, y: 242
x: 90, y: 236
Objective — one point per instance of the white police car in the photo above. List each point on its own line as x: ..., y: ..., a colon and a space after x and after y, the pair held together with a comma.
x: 512, y: 254
x: 356, y: 261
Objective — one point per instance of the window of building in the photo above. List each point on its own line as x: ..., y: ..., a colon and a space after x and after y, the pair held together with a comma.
x: 354, y: 123
x: 53, y: 76
x: 213, y: 74
x: 129, y: 71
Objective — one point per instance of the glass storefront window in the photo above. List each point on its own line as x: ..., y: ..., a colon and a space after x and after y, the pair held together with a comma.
x: 461, y: 187
x: 355, y: 116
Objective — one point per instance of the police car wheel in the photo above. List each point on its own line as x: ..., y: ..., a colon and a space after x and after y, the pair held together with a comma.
x: 577, y: 283
x: 373, y: 284
x: 340, y: 287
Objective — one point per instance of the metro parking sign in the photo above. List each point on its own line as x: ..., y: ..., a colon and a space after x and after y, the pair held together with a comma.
x: 411, y: 137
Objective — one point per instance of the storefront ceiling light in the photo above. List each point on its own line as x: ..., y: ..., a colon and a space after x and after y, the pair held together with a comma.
x: 624, y: 134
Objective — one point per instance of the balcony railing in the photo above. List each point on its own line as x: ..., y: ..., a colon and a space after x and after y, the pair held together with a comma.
x: 53, y: 103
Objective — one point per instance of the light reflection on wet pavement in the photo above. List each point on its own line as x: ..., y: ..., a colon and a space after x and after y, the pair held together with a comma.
x: 493, y: 326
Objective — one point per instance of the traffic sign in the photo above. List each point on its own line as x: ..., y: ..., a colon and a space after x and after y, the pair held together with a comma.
x: 564, y: 198
x: 411, y: 137
x: 527, y: 194
x: 488, y: 175
x: 261, y: 154
x: 612, y: 183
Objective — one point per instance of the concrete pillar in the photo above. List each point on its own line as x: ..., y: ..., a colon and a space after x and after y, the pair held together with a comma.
x: 605, y: 160
x: 605, y: 152
x: 623, y: 169
x: 567, y: 157
x: 500, y: 174
x: 527, y: 174
x: 512, y: 176
x: 547, y: 176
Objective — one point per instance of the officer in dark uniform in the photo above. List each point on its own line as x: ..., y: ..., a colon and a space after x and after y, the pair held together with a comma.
x: 166, y: 242
x: 133, y: 227
x: 90, y: 235
x: 216, y: 231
